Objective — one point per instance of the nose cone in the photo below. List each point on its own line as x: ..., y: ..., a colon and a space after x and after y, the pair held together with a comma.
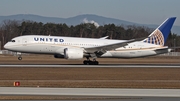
x: 6, y: 46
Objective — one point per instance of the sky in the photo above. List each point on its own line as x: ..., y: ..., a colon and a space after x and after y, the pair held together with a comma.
x: 138, y: 11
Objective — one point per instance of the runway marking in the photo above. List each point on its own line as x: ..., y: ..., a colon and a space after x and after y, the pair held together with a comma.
x: 100, y: 66
x: 90, y: 92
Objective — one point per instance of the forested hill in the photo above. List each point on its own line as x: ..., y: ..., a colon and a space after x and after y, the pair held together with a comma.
x: 99, y: 20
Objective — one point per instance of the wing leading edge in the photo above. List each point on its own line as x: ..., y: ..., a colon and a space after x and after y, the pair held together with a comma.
x: 102, y: 49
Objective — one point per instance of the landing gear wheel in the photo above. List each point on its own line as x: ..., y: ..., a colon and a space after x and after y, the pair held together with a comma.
x: 19, y: 58
x: 89, y: 62
x: 85, y: 62
x: 95, y: 62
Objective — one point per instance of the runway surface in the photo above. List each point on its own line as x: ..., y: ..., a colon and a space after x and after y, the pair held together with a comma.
x: 104, y: 65
x: 90, y: 92
x: 121, y: 99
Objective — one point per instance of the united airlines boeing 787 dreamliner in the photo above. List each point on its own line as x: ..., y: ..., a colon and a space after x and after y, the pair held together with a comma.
x: 77, y: 48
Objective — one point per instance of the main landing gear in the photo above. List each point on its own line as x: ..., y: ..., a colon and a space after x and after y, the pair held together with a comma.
x: 89, y: 62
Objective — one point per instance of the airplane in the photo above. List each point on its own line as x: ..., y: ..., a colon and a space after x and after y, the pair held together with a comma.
x: 77, y: 48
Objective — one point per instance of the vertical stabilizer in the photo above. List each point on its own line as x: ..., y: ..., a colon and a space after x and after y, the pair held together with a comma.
x: 160, y: 34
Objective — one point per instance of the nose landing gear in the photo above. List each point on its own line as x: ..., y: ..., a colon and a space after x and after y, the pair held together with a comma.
x: 19, y: 58
x: 19, y: 55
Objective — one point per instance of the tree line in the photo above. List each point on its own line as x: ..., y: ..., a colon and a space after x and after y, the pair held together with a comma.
x: 12, y: 28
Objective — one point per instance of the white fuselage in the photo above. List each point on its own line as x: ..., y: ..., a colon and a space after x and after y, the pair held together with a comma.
x: 56, y: 45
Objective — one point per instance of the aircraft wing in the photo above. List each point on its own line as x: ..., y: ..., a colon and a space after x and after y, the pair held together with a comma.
x: 104, y: 37
x: 102, y: 49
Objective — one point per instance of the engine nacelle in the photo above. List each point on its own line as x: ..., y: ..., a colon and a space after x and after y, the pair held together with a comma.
x: 73, y: 53
x: 58, y: 56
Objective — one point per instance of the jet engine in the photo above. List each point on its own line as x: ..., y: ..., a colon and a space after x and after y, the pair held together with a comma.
x: 58, y: 56
x: 73, y: 53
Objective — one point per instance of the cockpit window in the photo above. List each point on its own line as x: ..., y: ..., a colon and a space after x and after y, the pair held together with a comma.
x: 12, y: 40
